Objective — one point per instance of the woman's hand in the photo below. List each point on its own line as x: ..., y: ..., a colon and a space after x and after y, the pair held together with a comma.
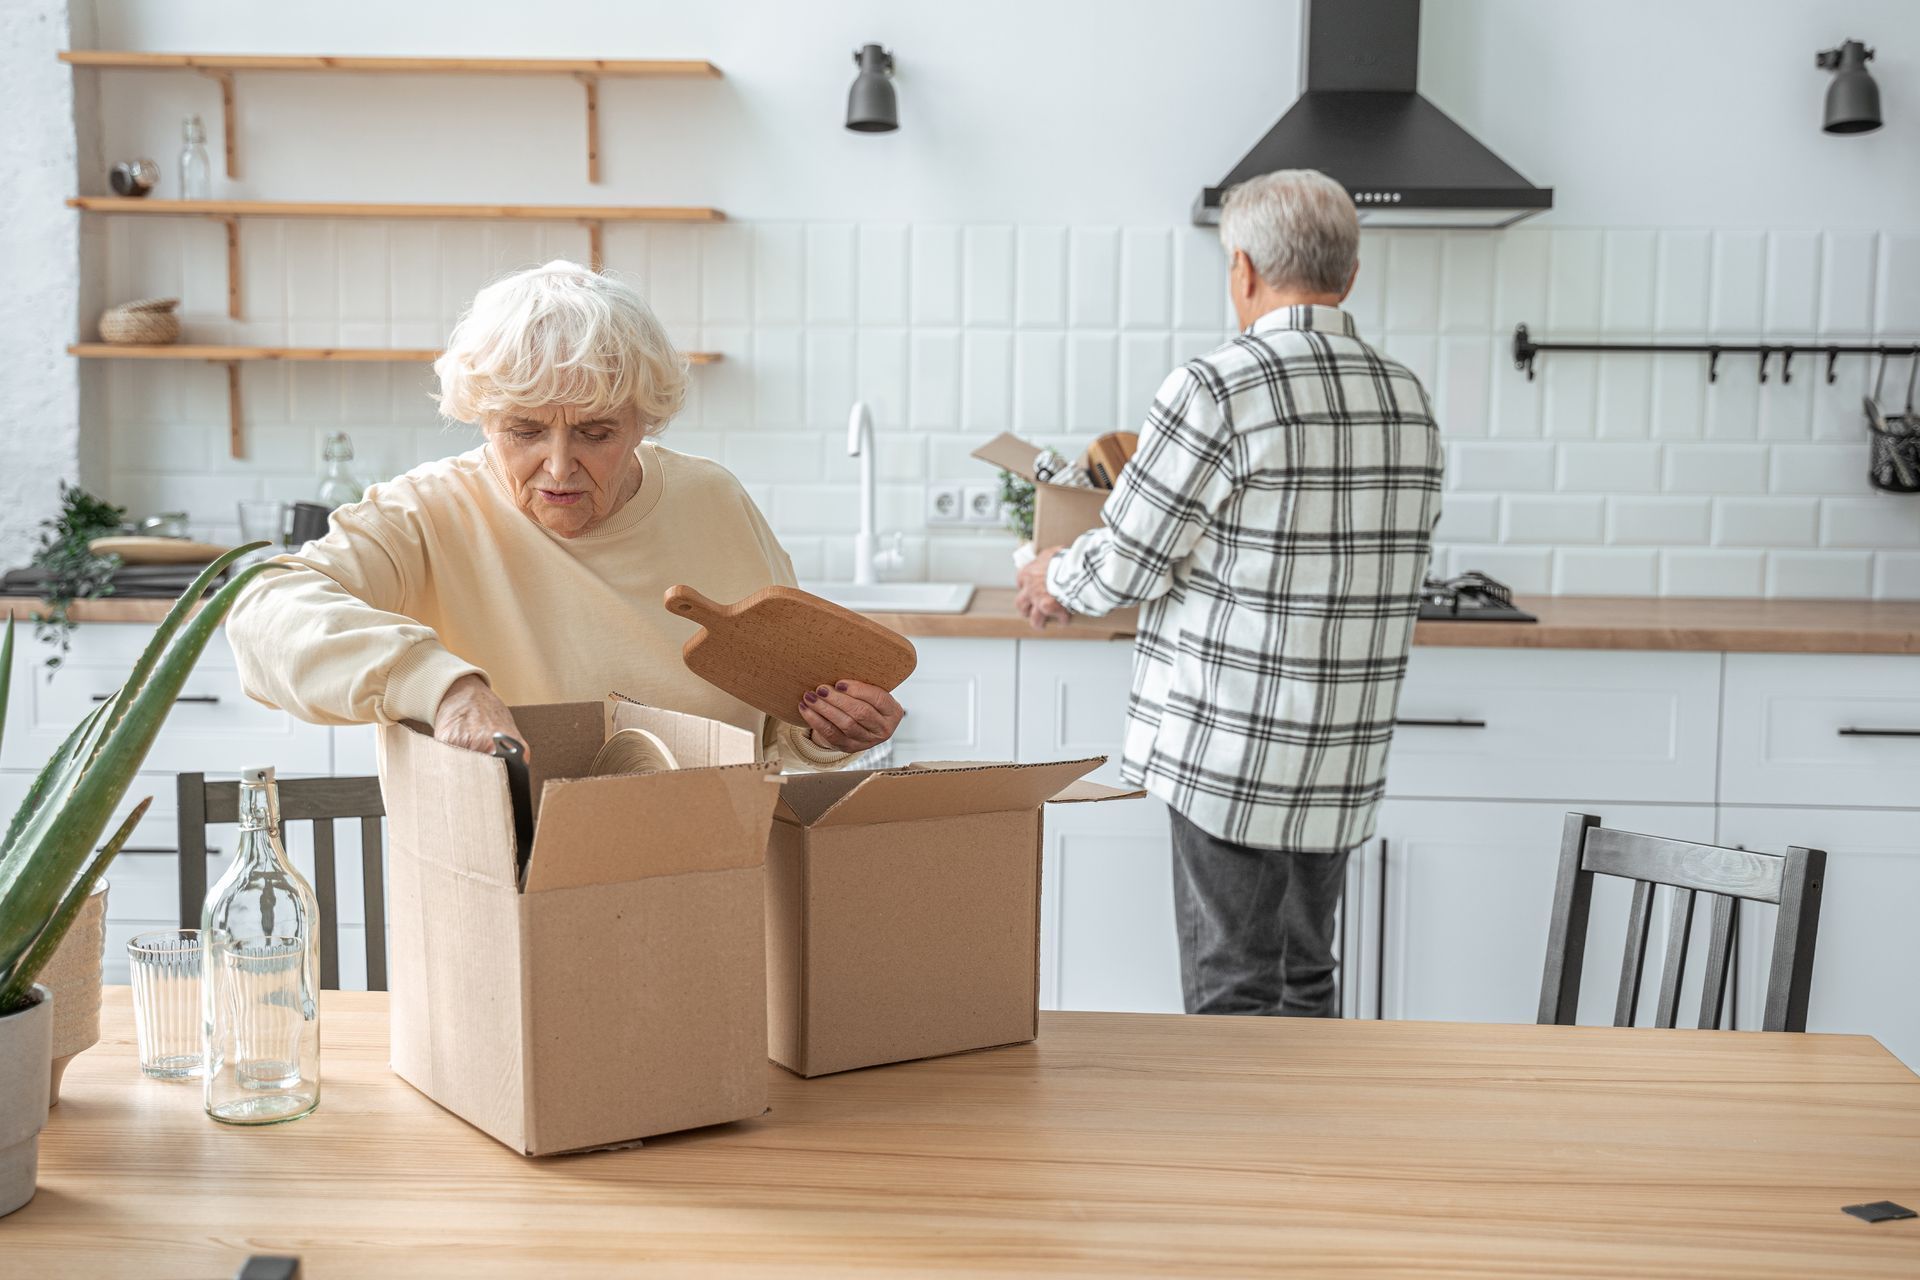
x: 851, y: 716
x: 471, y: 713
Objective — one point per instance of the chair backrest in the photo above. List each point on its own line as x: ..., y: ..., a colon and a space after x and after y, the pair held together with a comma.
x: 1726, y: 877
x: 320, y: 801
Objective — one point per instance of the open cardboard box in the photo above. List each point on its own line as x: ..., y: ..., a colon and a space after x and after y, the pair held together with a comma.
x: 622, y: 993
x: 903, y: 910
x: 1061, y: 512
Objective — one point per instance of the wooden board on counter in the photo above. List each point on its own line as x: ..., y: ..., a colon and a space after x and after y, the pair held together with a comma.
x: 1116, y: 1144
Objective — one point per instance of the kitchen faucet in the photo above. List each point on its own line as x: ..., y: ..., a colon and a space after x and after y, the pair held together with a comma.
x: 860, y: 445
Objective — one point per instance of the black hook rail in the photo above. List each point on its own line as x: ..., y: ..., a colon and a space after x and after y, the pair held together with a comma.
x: 1525, y: 350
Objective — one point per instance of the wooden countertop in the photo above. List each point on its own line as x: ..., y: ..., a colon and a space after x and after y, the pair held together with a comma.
x: 1566, y: 622
x: 1116, y: 1145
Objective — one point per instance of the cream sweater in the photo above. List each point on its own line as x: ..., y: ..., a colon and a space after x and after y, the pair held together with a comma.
x: 438, y: 574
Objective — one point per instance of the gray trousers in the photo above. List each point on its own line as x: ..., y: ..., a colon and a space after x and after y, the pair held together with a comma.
x: 1256, y: 926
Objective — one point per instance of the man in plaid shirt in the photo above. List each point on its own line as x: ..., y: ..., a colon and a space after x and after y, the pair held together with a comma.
x: 1275, y: 525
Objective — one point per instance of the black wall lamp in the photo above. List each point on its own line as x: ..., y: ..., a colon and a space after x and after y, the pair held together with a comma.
x: 1853, y: 99
x: 870, y: 104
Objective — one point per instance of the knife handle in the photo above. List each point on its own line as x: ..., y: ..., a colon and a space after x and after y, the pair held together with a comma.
x: 520, y: 792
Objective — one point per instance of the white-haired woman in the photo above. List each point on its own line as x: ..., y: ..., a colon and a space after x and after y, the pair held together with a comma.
x: 532, y: 568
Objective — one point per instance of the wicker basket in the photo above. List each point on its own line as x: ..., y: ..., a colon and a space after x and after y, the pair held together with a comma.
x: 148, y: 322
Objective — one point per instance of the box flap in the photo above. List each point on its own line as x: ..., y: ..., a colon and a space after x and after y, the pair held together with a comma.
x: 696, y: 742
x: 1084, y: 792
x: 447, y: 805
x: 805, y: 796
x: 942, y: 789
x: 1009, y: 453
x: 563, y: 737
x: 613, y: 830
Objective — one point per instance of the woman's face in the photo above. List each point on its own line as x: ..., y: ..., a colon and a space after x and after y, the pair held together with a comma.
x: 568, y: 471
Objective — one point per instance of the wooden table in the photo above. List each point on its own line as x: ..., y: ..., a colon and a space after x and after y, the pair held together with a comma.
x: 1118, y: 1144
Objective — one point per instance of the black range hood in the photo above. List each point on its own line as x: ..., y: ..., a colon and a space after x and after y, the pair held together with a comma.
x: 1362, y: 122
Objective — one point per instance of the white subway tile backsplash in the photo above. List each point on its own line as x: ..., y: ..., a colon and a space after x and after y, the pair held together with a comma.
x: 1039, y: 382
x: 1846, y: 283
x: 1146, y: 279
x: 934, y: 380
x: 778, y: 376
x: 831, y: 388
x: 769, y: 457
x: 1367, y: 301
x: 1882, y: 520
x: 1628, y: 296
x: 1553, y: 519
x: 1528, y: 570
x: 1739, y: 281
x: 1145, y: 362
x: 1469, y: 517
x: 725, y: 397
x: 987, y: 298
x: 934, y: 289
x: 1094, y: 277
x: 1683, y: 285
x: 1041, y: 278
x: 987, y: 383
x: 1733, y: 403
x: 1716, y: 468
x: 881, y: 272
x: 880, y: 374
x: 1413, y: 275
x: 1463, y: 400
x: 983, y: 559
x: 1897, y: 292
x: 1786, y: 408
x: 1700, y: 571
x: 1519, y: 402
x: 1766, y: 522
x: 1896, y: 575
x: 1836, y: 413
x: 1624, y: 410
x: 1820, y: 575
x: 1606, y: 571
x: 1574, y: 286
x: 1679, y: 397
x: 1520, y: 296
x: 1658, y: 522
x: 1092, y: 382
x: 726, y: 274
x: 816, y: 508
x: 1499, y: 467
x: 1200, y: 279
x: 1467, y: 265
x: 1820, y: 468
x: 1572, y: 385
x: 779, y: 273
x: 1609, y: 468
x: 832, y: 252
x: 1793, y: 283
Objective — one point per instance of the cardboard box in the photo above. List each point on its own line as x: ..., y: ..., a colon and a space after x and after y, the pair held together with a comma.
x: 903, y: 910
x: 623, y: 992
x: 1061, y: 512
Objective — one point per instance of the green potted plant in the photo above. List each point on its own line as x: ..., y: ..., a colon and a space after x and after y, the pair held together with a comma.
x: 52, y: 855
x: 73, y: 571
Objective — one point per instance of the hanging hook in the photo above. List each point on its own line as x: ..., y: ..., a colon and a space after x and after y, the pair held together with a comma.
x: 1713, y: 364
x: 1764, y: 353
x: 1786, y: 364
x: 1913, y: 369
x: 1523, y: 350
x: 1832, y: 355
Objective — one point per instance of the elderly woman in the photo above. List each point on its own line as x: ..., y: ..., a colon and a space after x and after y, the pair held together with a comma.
x: 532, y: 568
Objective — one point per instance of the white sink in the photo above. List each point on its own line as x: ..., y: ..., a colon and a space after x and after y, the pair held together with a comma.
x: 896, y: 597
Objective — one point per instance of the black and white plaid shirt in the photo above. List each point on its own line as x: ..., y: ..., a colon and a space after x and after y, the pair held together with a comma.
x: 1275, y: 524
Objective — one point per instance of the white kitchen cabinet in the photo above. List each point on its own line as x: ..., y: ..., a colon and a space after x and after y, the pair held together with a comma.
x: 1867, y: 951
x: 1073, y: 701
x: 1469, y: 897
x: 959, y: 701
x: 1821, y: 729
x: 1552, y: 724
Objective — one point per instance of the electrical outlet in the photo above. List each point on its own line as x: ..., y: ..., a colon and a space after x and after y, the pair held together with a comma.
x: 945, y: 504
x: 982, y: 503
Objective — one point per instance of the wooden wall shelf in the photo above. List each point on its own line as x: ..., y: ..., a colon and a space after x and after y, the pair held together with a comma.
x: 222, y: 66
x: 234, y: 356
x: 229, y: 212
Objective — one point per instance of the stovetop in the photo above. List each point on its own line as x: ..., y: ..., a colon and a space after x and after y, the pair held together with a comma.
x: 1471, y: 597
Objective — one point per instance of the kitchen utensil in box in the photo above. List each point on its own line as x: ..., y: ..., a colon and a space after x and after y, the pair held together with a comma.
x: 520, y: 793
x: 1894, y: 463
x: 632, y: 751
x: 1107, y: 455
x: 769, y: 649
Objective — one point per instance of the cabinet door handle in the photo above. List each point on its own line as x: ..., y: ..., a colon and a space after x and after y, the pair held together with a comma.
x: 1417, y: 723
x: 1380, y: 942
x: 203, y: 699
x: 1854, y: 731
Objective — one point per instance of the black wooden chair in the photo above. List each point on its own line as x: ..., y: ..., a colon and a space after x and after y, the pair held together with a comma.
x: 1726, y: 876
x: 321, y: 801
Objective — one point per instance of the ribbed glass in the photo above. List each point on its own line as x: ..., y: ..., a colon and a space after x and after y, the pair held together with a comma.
x: 164, y: 968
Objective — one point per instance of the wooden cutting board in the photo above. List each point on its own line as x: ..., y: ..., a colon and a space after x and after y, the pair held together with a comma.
x: 138, y: 550
x: 772, y: 647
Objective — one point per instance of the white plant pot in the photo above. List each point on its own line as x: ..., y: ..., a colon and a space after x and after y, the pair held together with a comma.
x: 73, y: 974
x: 26, y: 1057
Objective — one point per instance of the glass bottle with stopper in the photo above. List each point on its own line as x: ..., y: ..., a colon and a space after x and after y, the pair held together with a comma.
x: 338, y: 488
x: 196, y: 171
x: 260, y: 967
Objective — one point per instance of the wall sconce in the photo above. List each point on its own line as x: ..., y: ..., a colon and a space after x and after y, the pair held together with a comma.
x: 870, y: 104
x: 1853, y: 99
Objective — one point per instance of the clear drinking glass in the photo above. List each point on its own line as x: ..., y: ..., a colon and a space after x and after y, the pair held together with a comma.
x: 260, y: 1015
x: 165, y: 972
x: 263, y: 521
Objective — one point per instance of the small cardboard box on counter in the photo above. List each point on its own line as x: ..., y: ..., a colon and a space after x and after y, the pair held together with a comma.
x: 903, y: 910
x: 622, y: 992
x: 1061, y: 512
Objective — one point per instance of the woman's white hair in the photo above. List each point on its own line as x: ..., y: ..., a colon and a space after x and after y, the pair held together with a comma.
x: 1297, y: 227
x: 561, y: 335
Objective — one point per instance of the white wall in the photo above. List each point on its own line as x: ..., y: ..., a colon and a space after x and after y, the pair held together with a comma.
x: 1018, y: 253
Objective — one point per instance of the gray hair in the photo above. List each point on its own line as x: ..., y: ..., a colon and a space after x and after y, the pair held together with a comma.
x: 1297, y: 227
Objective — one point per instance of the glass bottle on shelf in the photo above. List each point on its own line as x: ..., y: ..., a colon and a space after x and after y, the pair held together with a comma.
x: 196, y: 171
x: 338, y: 488
x: 260, y: 974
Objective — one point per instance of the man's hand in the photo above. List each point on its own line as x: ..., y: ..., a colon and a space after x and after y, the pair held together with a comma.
x: 850, y: 716
x: 1035, y: 603
x: 471, y: 713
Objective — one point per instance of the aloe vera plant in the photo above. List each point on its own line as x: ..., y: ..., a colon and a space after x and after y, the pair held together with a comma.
x: 52, y: 855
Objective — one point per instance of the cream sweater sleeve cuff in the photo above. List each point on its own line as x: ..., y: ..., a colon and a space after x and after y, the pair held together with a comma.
x: 418, y: 682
